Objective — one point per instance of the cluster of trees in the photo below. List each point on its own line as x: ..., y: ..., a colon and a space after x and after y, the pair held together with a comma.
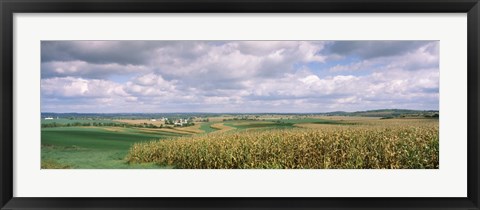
x: 110, y: 124
x: 147, y: 125
x: 436, y: 115
x: 241, y: 118
x: 189, y: 122
x: 55, y: 124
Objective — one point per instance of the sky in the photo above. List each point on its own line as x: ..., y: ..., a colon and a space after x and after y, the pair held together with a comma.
x: 238, y: 76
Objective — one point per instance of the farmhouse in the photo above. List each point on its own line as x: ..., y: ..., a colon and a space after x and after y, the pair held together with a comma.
x: 48, y: 118
x: 181, y: 122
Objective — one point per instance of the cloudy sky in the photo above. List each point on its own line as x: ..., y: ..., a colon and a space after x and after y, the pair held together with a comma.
x: 238, y: 76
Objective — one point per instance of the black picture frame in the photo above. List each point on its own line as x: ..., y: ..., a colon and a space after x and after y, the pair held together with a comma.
x: 10, y: 7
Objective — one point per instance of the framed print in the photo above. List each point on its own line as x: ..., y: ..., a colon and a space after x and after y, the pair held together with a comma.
x: 239, y: 105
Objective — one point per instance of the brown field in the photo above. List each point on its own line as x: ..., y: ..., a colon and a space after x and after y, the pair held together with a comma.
x: 154, y: 130
x: 189, y: 129
x: 221, y: 127
x: 114, y: 129
x: 195, y: 129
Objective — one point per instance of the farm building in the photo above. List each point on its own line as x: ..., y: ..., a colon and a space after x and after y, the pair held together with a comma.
x: 181, y: 122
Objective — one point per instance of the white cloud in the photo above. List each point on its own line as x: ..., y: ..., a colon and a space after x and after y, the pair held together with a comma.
x: 77, y: 87
x: 356, y: 66
x: 240, y: 76
x: 151, y: 85
x: 88, y: 70
x: 238, y: 60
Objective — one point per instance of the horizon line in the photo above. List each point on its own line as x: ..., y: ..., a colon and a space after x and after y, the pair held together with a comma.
x: 434, y: 110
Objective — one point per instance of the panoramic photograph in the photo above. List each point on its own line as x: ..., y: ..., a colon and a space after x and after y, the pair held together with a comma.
x: 159, y: 104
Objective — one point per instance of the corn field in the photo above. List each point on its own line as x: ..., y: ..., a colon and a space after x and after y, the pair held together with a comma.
x: 343, y: 147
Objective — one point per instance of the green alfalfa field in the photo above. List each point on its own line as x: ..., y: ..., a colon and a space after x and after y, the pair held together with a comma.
x: 93, y: 147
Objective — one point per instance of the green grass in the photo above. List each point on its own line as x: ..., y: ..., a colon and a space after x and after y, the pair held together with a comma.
x: 275, y: 124
x: 246, y: 124
x: 84, y: 158
x: 93, y: 147
x: 206, y: 127
x: 98, y: 138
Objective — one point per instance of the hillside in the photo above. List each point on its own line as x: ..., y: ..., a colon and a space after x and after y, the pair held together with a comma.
x: 388, y: 113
